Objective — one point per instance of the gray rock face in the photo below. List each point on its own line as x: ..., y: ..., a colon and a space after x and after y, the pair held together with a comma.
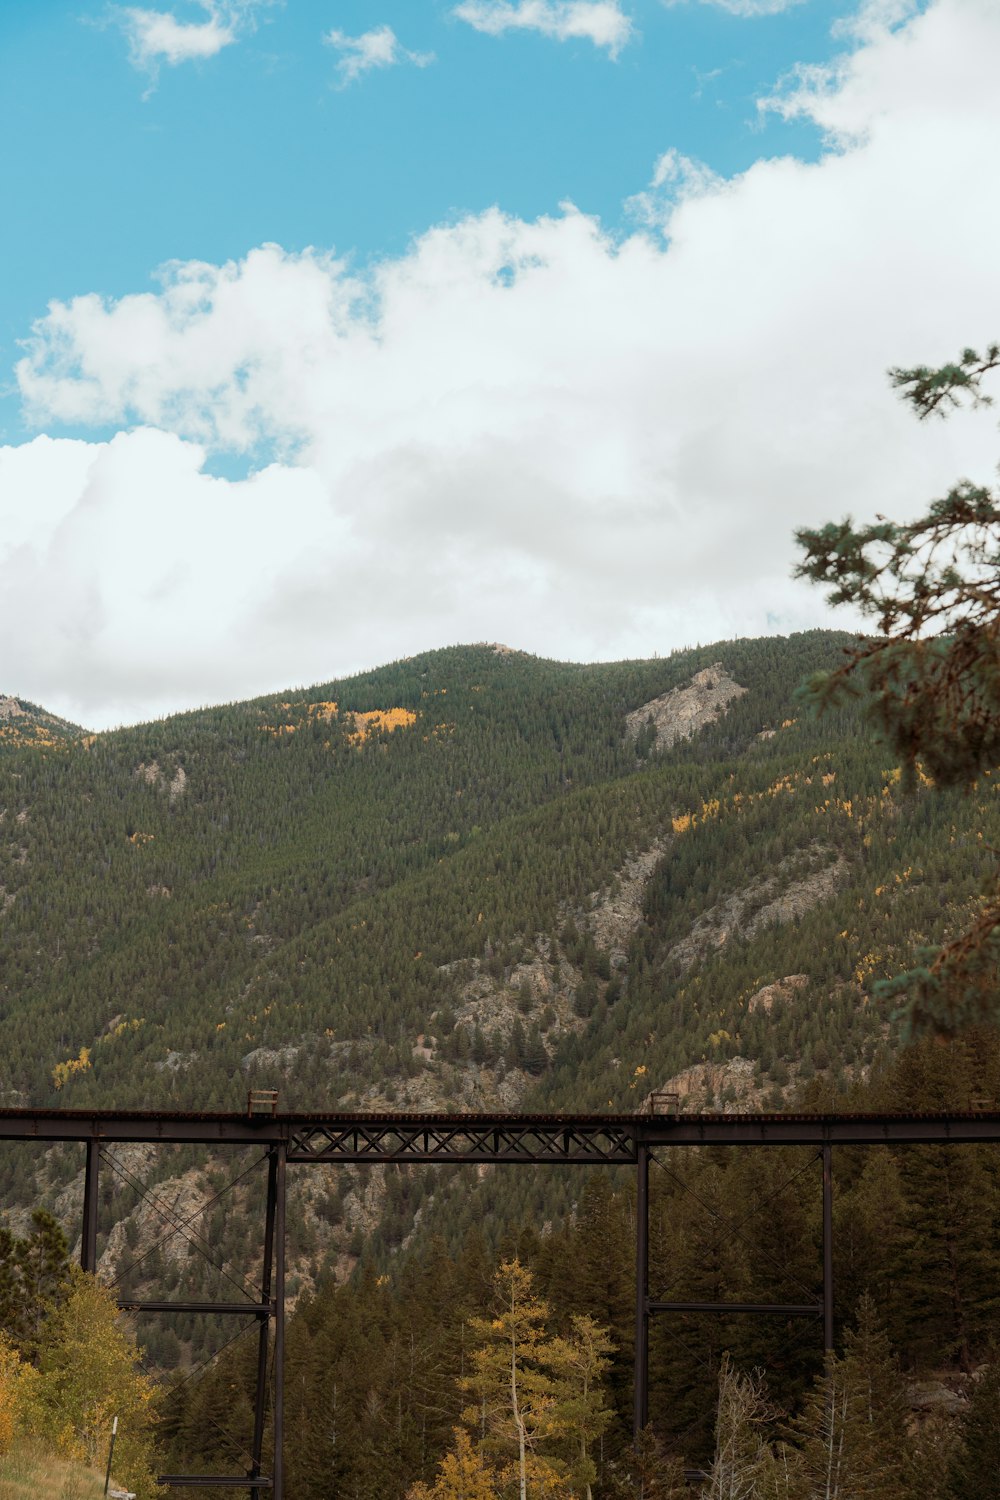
x: 935, y: 1396
x: 679, y: 714
x: 768, y: 902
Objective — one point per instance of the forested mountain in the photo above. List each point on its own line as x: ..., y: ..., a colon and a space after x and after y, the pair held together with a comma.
x: 188, y: 902
x: 469, y: 879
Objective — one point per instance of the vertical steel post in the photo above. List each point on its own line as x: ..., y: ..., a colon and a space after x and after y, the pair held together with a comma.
x: 828, y: 1249
x: 88, y: 1239
x: 260, y: 1399
x: 641, y: 1362
x: 278, y: 1479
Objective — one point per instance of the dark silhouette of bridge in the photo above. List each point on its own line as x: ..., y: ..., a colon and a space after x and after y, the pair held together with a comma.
x: 507, y: 1140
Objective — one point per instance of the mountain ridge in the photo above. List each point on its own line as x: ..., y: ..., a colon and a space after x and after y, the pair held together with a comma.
x: 492, y: 897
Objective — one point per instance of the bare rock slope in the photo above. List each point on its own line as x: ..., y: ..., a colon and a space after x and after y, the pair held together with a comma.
x: 679, y: 714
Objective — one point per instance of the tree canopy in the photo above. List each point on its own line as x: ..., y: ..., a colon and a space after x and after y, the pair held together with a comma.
x: 931, y: 674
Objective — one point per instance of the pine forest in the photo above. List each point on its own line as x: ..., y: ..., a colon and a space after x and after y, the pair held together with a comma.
x: 476, y: 880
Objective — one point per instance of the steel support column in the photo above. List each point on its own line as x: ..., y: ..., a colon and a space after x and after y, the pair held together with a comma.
x: 278, y: 1473
x: 88, y: 1239
x: 260, y: 1398
x: 641, y: 1407
x: 828, y: 1249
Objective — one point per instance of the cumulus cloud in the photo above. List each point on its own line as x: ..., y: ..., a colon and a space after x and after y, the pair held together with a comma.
x: 586, y: 444
x: 378, y: 48
x: 873, y: 83
x: 602, y: 22
x: 156, y: 36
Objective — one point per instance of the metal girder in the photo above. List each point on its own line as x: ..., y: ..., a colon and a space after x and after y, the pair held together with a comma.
x: 585, y: 1139
x: 205, y: 1481
x: 778, y: 1309
x: 529, y: 1142
x: 955, y: 1129
x: 517, y: 1140
x: 241, y: 1309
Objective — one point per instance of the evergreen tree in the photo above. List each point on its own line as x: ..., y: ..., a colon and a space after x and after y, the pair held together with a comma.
x: 930, y: 676
x: 974, y: 1470
x: 852, y: 1436
x: 34, y: 1281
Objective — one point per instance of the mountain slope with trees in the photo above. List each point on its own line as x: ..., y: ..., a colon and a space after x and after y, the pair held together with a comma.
x: 458, y: 881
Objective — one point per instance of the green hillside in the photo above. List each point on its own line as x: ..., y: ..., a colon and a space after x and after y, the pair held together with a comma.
x: 457, y: 881
x: 286, y: 873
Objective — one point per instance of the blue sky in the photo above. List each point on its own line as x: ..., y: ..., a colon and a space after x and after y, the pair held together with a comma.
x: 117, y: 171
x: 336, y: 330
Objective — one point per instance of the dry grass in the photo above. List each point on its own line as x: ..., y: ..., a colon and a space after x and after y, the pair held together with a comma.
x: 27, y: 1472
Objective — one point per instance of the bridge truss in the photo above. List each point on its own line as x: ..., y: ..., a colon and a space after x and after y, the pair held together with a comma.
x: 508, y: 1140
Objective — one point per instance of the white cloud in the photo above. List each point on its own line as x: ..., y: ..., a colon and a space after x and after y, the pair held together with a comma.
x: 378, y: 48
x: 894, y: 58
x: 156, y: 36
x: 585, y: 445
x: 676, y: 179
x: 747, y: 8
x: 599, y: 21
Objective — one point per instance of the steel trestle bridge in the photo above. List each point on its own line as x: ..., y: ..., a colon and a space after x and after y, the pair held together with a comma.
x: 484, y: 1139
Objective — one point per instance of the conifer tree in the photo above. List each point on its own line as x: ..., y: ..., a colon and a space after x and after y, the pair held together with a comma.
x: 974, y: 1470
x: 653, y: 1472
x: 931, y: 676
x: 34, y: 1280
x: 852, y: 1437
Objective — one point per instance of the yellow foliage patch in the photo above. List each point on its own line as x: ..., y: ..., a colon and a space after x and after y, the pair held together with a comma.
x: 367, y: 722
x: 63, y: 1071
x: 376, y: 719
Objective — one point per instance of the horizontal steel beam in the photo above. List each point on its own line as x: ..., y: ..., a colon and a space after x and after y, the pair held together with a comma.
x: 779, y: 1309
x: 135, y: 1127
x: 821, y: 1130
x: 204, y: 1481
x: 245, y: 1309
x: 527, y: 1139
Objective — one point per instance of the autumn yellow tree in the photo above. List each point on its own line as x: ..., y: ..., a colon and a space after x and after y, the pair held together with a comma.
x: 579, y: 1364
x: 463, y: 1474
x: 88, y: 1373
x: 515, y: 1390
x: 540, y: 1402
x: 16, y: 1380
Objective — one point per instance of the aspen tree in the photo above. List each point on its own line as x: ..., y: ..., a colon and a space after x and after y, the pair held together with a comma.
x: 516, y: 1408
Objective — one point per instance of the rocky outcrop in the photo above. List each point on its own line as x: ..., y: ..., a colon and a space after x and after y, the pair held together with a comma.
x: 153, y: 774
x: 679, y: 714
x: 783, y: 990
x: 616, y: 911
x: 773, y: 900
x: 726, y: 1087
x: 935, y: 1397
